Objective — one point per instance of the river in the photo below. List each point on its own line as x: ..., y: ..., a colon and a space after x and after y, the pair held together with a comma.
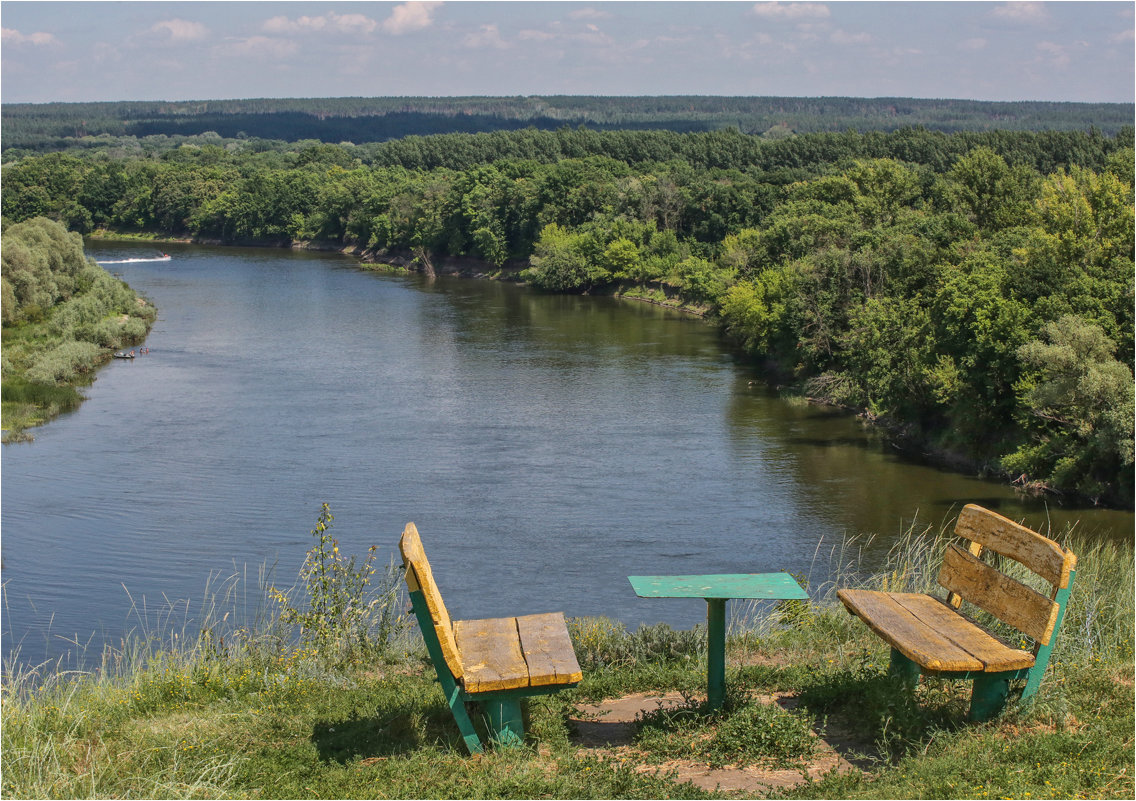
x: 546, y: 447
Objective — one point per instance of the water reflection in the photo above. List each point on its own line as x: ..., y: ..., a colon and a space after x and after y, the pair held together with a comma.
x: 547, y: 447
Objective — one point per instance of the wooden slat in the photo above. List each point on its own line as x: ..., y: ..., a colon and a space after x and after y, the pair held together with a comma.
x: 1002, y: 535
x: 418, y: 573
x: 491, y: 655
x: 884, y: 615
x: 954, y: 600
x: 992, y: 652
x: 547, y: 648
x: 1007, y: 599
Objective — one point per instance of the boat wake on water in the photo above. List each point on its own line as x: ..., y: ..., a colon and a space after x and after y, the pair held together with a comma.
x: 163, y: 257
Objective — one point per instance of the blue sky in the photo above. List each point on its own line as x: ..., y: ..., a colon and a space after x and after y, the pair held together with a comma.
x: 60, y: 51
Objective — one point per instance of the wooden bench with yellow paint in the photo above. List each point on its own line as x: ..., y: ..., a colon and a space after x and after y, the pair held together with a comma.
x: 495, y: 662
x: 931, y: 636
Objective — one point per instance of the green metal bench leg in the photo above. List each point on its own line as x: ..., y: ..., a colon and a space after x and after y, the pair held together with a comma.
x: 506, y: 724
x: 988, y: 696
x: 1033, y: 681
x: 461, y: 717
x: 903, y: 668
x: 715, y: 652
x: 450, y: 688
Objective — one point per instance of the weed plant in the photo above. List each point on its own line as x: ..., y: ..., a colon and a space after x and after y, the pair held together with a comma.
x: 341, y: 618
x: 744, y: 732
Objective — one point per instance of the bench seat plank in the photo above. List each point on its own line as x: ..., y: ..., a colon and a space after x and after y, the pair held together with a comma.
x: 547, y: 648
x: 994, y: 654
x: 491, y: 657
x: 931, y: 634
x: 907, y: 633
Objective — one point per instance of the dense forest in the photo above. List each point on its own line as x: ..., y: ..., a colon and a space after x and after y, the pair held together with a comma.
x: 63, y: 315
x: 54, y: 126
x: 971, y: 291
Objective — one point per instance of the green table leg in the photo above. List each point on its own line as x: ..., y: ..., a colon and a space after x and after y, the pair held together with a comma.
x: 716, y: 652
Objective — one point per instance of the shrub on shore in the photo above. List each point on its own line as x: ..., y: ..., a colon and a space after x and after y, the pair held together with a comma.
x: 62, y: 317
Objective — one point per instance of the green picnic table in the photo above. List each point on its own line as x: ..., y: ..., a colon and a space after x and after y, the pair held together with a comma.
x: 716, y: 590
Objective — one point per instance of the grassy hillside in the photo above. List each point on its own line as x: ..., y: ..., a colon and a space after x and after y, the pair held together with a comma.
x: 215, y: 710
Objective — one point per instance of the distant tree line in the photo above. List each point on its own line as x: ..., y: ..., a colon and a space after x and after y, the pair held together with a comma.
x: 974, y: 291
x: 53, y: 126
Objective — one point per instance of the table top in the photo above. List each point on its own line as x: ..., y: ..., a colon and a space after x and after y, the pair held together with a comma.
x: 777, y: 586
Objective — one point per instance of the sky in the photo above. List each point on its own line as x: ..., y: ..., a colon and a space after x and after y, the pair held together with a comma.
x: 86, y: 51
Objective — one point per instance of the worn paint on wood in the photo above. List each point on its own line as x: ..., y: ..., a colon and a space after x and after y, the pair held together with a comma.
x: 953, y: 598
x: 906, y: 633
x: 491, y: 655
x: 774, y: 586
x: 1002, y: 535
x: 547, y: 648
x: 1007, y: 599
x: 994, y: 654
x: 418, y: 571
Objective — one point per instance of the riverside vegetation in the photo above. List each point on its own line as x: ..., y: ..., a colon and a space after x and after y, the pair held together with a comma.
x: 970, y: 291
x: 328, y: 693
x: 63, y: 316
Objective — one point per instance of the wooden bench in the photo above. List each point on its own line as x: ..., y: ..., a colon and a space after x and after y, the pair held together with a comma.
x: 495, y: 662
x: 930, y: 636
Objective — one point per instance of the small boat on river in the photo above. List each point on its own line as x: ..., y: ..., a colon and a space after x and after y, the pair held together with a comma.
x: 163, y: 257
x: 123, y: 355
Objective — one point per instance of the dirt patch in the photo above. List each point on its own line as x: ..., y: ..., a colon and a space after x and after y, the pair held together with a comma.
x: 612, y: 723
x: 608, y: 729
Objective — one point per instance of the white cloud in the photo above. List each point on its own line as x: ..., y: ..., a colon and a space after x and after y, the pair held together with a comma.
x: 409, y: 17
x: 590, y: 13
x: 536, y: 36
x: 487, y: 36
x: 10, y: 36
x: 791, y: 10
x: 259, y: 47
x: 354, y: 23
x: 336, y: 23
x: 844, y: 37
x: 1027, y: 13
x: 1057, y: 55
x: 105, y: 53
x: 1126, y: 35
x: 976, y: 43
x: 281, y: 25
x: 180, y: 30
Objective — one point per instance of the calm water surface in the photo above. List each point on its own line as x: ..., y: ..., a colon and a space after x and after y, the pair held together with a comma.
x: 546, y: 447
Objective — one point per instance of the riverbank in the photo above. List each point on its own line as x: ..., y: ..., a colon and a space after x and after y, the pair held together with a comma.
x: 249, y: 711
x: 66, y: 321
x: 656, y: 293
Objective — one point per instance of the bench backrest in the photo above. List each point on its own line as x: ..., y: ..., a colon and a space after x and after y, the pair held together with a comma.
x: 967, y: 577
x: 419, y: 578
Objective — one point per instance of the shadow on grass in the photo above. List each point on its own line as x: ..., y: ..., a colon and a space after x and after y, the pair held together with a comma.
x: 877, y: 716
x: 399, y: 731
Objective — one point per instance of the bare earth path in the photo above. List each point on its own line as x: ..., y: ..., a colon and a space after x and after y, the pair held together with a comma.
x: 607, y: 728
